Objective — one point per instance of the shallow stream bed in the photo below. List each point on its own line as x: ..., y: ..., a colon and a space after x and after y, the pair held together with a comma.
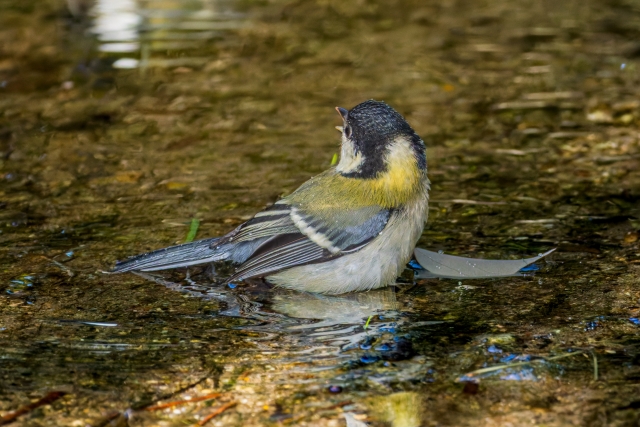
x: 122, y: 121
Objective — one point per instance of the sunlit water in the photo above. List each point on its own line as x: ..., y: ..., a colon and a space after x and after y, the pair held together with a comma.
x: 120, y: 121
x: 145, y: 34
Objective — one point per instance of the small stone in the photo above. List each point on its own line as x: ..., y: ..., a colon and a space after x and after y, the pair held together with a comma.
x: 631, y: 237
x: 600, y: 116
x: 128, y: 177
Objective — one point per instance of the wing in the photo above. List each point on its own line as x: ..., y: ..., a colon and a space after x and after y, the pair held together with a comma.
x: 296, y: 236
x: 323, y: 219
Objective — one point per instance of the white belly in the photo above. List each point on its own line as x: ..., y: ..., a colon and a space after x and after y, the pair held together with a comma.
x: 376, y: 265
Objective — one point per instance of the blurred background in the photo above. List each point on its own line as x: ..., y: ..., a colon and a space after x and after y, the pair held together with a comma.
x: 121, y: 121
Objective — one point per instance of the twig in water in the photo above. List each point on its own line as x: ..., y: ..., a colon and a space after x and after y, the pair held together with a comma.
x: 338, y: 405
x: 193, y: 230
x: 107, y: 419
x: 216, y: 413
x: 183, y: 402
x: 142, y: 405
x: 171, y: 285
x: 145, y: 405
x: 46, y: 400
x: 511, y: 365
x: 60, y: 265
x: 595, y: 365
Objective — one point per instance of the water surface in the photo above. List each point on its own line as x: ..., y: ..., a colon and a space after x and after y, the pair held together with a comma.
x: 122, y: 121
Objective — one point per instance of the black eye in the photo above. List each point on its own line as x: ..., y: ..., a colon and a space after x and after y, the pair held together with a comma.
x: 347, y: 131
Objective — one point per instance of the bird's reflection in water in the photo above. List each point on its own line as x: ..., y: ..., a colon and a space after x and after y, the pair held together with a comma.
x: 358, y: 328
x: 332, y: 310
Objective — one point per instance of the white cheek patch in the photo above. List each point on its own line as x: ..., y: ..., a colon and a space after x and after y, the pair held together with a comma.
x: 349, y: 160
x: 400, y: 153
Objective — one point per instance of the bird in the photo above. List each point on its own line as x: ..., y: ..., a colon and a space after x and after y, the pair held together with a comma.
x: 351, y: 228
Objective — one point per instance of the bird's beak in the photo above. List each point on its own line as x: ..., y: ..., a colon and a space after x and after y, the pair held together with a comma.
x: 339, y: 128
x: 344, y: 113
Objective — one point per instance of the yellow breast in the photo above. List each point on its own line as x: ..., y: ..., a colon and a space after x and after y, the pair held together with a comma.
x: 400, y: 183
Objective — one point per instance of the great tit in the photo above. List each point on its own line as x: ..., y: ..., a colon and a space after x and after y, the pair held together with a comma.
x: 351, y: 228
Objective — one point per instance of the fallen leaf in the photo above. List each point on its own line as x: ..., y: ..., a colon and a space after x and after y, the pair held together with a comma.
x: 456, y: 267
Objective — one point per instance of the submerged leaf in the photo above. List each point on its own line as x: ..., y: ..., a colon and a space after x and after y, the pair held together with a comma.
x: 456, y: 267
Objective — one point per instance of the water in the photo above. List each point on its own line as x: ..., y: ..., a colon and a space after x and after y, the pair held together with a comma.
x: 120, y: 122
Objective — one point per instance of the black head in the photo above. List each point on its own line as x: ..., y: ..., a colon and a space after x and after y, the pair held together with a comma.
x: 370, y: 130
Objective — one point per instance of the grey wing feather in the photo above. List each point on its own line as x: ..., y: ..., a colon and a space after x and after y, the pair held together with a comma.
x: 272, y: 241
x: 293, y: 250
x: 350, y: 232
x: 356, y: 227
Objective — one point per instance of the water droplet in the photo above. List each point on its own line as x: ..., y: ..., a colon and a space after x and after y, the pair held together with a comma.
x: 493, y: 349
x: 335, y: 389
x: 367, y: 359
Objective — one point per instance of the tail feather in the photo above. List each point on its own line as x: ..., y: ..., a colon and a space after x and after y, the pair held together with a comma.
x: 198, y: 252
